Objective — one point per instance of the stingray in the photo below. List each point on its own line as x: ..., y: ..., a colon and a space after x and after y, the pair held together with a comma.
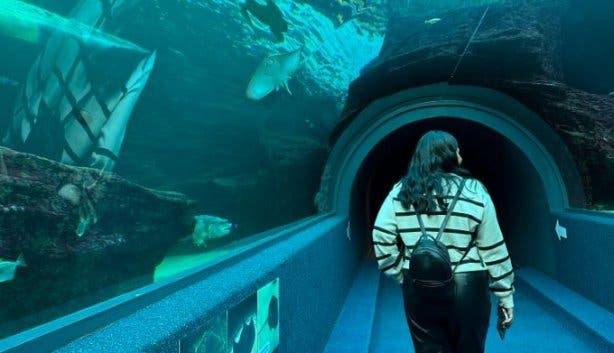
x: 268, y: 14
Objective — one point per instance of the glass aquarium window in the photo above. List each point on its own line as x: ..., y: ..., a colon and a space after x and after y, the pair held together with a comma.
x: 144, y: 138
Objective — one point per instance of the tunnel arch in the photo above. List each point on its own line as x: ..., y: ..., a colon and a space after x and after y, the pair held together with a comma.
x: 538, y: 176
x: 486, y: 107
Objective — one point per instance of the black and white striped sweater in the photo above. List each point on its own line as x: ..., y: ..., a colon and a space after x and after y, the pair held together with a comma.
x: 474, y: 213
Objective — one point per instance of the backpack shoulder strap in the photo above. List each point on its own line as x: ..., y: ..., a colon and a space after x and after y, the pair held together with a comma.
x: 421, y: 224
x: 450, y: 208
x: 471, y: 244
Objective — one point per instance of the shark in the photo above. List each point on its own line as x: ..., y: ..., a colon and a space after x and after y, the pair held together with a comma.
x: 273, y: 73
x: 27, y: 22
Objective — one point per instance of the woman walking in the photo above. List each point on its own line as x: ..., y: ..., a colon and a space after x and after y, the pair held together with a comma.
x: 438, y: 206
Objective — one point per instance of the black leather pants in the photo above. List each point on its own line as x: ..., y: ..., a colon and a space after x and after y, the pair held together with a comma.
x: 458, y: 325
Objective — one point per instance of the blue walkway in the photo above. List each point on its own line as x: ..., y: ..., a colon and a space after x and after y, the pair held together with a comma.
x: 535, y: 328
x: 549, y: 318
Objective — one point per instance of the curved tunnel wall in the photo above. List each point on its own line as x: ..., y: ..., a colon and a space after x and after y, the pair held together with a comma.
x: 512, y: 181
x: 523, y: 162
x: 488, y: 108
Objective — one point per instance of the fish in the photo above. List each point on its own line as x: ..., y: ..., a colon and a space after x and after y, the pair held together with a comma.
x: 27, y: 22
x: 611, y: 93
x: 268, y: 14
x: 8, y: 268
x: 561, y: 232
x: 432, y: 21
x: 210, y: 227
x: 177, y: 52
x: 5, y: 81
x: 273, y: 73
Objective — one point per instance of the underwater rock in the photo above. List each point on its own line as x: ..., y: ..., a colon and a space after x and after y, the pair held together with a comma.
x: 286, y: 150
x: 132, y: 231
x: 71, y: 193
x: 371, y: 16
x: 583, y: 121
x: 516, y: 50
x: 237, y: 181
x: 513, y: 42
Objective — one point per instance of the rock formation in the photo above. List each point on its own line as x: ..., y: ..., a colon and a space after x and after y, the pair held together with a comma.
x: 521, y: 49
x: 127, y: 232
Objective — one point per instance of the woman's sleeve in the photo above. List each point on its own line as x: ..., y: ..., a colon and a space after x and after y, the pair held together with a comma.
x: 389, y: 258
x: 493, y: 251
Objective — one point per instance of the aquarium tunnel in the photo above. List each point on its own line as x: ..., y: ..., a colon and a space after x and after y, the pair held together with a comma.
x: 204, y: 176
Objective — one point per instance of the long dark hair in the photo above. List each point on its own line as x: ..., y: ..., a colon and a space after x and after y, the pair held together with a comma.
x: 433, y: 161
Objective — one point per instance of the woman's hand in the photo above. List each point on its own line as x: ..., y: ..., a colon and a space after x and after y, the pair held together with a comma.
x: 508, y: 314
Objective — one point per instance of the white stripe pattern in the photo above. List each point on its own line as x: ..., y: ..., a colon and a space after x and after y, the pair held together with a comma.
x: 473, y: 216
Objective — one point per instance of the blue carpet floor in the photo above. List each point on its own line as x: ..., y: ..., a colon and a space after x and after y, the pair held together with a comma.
x: 354, y: 326
x: 536, y: 328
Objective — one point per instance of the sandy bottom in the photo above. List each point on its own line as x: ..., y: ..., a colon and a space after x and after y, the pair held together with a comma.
x: 177, y: 263
x: 186, y: 256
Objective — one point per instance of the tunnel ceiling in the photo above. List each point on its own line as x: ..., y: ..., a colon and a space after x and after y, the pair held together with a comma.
x: 513, y: 183
x: 491, y: 110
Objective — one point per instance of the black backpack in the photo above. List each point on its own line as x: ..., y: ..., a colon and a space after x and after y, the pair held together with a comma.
x: 430, y: 268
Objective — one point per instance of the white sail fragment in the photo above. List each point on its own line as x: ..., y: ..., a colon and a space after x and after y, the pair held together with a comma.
x: 77, y: 100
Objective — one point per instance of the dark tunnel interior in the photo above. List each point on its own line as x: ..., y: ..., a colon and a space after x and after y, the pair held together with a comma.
x: 511, y: 179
